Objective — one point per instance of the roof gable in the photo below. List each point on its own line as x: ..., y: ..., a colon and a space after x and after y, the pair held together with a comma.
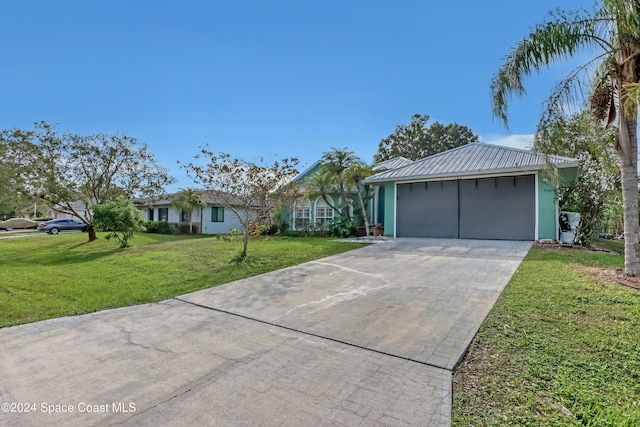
x: 476, y: 158
x: 307, y: 172
x: 396, y: 162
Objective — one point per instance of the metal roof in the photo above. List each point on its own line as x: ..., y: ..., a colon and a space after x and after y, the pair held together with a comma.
x: 476, y: 159
x: 396, y: 162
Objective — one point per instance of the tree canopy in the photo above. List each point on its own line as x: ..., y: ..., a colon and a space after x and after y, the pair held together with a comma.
x: 186, y: 201
x: 581, y: 136
x: 251, y: 190
x: 120, y: 218
x: 60, y: 169
x: 417, y: 140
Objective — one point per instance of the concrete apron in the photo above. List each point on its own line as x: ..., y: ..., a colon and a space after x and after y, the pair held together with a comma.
x: 366, y: 337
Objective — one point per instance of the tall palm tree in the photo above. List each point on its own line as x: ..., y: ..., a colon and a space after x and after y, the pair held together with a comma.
x: 186, y: 201
x: 335, y: 163
x: 613, y: 31
x: 354, y: 175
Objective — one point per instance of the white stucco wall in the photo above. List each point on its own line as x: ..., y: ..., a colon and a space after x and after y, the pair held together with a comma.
x: 209, y: 227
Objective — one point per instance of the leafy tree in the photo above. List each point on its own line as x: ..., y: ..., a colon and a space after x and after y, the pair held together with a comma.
x: 95, y: 169
x: 417, y: 140
x: 186, y: 201
x: 11, y: 200
x: 120, y: 219
x: 613, y: 32
x: 582, y: 137
x: 250, y: 190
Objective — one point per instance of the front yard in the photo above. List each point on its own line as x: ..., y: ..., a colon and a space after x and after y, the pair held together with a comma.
x: 43, y: 277
x: 560, y: 348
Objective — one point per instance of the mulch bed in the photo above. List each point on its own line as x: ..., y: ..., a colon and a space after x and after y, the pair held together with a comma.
x: 610, y: 275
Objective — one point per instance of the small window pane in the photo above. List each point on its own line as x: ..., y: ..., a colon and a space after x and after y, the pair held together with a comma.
x: 217, y: 214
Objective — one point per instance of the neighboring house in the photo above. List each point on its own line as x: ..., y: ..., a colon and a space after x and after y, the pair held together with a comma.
x: 61, y: 212
x: 212, y: 219
x: 477, y: 191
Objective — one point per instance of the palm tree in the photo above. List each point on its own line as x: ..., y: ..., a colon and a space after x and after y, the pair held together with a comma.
x: 186, y: 201
x: 335, y: 163
x: 613, y: 31
x: 354, y: 175
x: 322, y: 183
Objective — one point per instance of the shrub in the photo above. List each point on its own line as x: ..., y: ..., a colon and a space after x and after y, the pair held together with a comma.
x: 159, y: 227
x: 182, y: 228
x: 341, y: 227
x: 120, y: 218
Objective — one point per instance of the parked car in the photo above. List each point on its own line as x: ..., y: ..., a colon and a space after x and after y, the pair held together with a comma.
x: 18, y: 223
x: 57, y: 225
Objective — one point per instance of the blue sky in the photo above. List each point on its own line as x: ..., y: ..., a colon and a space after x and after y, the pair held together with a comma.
x: 264, y: 78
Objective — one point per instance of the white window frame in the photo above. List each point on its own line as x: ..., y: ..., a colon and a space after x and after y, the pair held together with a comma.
x: 323, y: 212
x: 301, y: 216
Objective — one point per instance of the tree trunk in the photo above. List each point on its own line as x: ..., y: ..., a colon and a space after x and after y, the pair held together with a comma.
x: 364, y: 212
x: 245, y: 242
x: 628, y: 150
x: 326, y: 200
x: 91, y: 231
x: 628, y: 146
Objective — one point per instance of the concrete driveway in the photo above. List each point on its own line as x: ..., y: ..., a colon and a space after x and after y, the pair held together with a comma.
x: 369, y: 337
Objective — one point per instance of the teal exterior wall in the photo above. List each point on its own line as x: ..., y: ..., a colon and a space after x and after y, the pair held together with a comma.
x: 389, y: 209
x: 379, y: 214
x: 547, y: 221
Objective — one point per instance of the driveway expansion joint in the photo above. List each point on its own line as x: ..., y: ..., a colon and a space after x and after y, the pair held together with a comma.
x: 288, y: 328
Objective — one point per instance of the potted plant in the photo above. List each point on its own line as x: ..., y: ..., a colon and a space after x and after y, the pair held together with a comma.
x: 378, y: 230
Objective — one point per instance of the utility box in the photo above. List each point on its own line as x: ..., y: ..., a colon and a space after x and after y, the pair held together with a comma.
x: 568, y: 224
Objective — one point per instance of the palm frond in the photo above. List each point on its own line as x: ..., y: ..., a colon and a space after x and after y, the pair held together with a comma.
x: 570, y: 95
x: 557, y: 39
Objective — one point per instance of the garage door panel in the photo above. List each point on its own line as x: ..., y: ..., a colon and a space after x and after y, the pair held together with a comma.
x: 498, y: 208
x: 484, y: 208
x: 428, y: 209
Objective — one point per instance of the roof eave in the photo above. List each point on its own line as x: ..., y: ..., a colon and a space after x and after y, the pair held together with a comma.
x: 466, y: 174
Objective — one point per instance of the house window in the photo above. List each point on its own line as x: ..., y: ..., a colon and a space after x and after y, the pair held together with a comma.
x: 217, y: 214
x: 301, y: 216
x: 150, y: 214
x: 346, y: 207
x: 184, y: 216
x: 323, y: 212
x: 163, y: 214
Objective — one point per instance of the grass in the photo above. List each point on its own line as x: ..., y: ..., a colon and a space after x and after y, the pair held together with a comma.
x: 611, y: 245
x: 558, y: 349
x: 43, y: 277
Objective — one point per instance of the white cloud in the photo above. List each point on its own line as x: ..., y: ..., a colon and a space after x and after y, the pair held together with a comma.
x: 523, y: 142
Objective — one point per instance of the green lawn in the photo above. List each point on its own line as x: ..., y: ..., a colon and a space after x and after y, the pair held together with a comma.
x: 558, y: 349
x: 43, y: 277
